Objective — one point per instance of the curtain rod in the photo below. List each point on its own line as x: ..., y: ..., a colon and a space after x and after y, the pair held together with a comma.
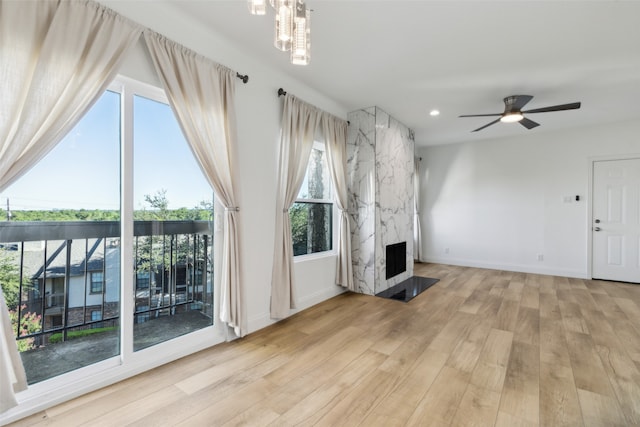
x: 282, y: 92
x: 244, y: 78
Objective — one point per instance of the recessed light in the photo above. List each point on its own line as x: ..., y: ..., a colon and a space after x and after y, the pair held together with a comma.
x: 434, y: 113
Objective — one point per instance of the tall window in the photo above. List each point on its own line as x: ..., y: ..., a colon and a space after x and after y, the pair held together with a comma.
x: 62, y: 220
x: 173, y: 204
x: 312, y: 213
x: 64, y: 246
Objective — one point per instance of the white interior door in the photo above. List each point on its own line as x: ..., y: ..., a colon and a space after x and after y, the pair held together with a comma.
x: 616, y: 220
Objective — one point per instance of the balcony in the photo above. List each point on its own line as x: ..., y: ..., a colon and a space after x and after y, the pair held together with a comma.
x: 66, y: 277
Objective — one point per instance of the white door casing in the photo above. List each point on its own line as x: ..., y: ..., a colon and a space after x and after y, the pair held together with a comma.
x: 616, y: 220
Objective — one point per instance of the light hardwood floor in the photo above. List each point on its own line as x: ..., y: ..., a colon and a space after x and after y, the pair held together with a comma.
x: 482, y: 347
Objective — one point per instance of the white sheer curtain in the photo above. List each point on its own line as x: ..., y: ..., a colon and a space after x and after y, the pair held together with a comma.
x: 201, y: 94
x: 417, y: 230
x: 335, y: 136
x: 14, y: 379
x: 299, y: 123
x: 56, y: 59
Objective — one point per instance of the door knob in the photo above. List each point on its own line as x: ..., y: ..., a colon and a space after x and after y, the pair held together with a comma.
x: 597, y: 221
x: 597, y: 229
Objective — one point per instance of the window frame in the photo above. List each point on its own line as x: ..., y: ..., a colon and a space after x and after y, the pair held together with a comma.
x: 92, y: 289
x: 129, y: 88
x: 128, y: 363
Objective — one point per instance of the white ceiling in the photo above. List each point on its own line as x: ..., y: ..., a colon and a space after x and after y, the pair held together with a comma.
x: 461, y: 57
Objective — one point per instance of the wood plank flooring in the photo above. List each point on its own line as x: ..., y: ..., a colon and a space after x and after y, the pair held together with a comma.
x: 479, y: 348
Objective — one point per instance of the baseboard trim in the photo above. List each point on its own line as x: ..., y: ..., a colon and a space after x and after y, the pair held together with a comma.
x: 263, y: 320
x: 519, y: 268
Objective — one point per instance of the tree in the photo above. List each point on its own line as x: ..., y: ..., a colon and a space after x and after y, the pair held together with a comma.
x: 29, y: 324
x: 298, y: 215
x: 159, y: 205
x: 317, y: 218
x: 154, y: 252
x: 10, y: 281
x: 65, y: 215
x: 203, y: 211
x: 10, y: 278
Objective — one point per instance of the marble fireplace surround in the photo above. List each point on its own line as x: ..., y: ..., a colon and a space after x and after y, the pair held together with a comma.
x: 380, y: 153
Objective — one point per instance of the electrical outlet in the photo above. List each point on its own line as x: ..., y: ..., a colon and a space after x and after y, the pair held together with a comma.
x: 540, y: 257
x: 446, y: 250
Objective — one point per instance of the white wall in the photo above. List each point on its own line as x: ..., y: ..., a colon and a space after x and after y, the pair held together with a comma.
x: 499, y: 203
x: 258, y: 110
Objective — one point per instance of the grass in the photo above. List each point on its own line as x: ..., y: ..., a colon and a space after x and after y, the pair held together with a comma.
x: 57, y: 337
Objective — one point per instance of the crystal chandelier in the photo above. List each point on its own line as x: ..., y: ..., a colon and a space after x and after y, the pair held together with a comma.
x: 257, y: 7
x: 292, y: 27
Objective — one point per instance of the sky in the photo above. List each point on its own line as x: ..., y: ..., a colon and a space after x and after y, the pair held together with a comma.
x: 83, y: 170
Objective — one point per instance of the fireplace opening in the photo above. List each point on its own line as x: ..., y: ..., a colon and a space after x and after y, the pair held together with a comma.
x: 396, y: 260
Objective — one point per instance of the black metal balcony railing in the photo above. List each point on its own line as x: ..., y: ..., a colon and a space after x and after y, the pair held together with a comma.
x: 29, y: 231
x: 55, y: 262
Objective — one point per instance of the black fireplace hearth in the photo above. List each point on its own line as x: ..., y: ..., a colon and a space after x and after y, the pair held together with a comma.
x: 406, y: 290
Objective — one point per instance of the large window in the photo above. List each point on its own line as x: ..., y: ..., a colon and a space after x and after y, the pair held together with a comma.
x: 173, y: 207
x: 61, y: 219
x: 117, y: 215
x: 312, y: 213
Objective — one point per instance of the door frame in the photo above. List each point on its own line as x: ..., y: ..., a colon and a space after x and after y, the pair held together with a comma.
x: 591, y: 164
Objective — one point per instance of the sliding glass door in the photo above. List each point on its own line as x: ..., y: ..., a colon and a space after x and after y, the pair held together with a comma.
x: 106, y: 245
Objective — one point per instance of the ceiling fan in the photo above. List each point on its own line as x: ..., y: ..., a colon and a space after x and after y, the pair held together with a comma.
x: 513, y: 111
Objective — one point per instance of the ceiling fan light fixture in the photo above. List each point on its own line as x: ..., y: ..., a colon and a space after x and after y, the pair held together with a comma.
x: 511, y: 117
x: 513, y: 112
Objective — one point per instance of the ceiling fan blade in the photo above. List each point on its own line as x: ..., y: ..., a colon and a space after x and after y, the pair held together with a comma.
x: 529, y: 124
x: 487, y: 125
x: 572, y: 106
x: 519, y: 102
x: 481, y: 115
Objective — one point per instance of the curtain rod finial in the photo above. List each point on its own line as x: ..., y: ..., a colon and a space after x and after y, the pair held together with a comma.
x: 281, y: 92
x: 244, y: 78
